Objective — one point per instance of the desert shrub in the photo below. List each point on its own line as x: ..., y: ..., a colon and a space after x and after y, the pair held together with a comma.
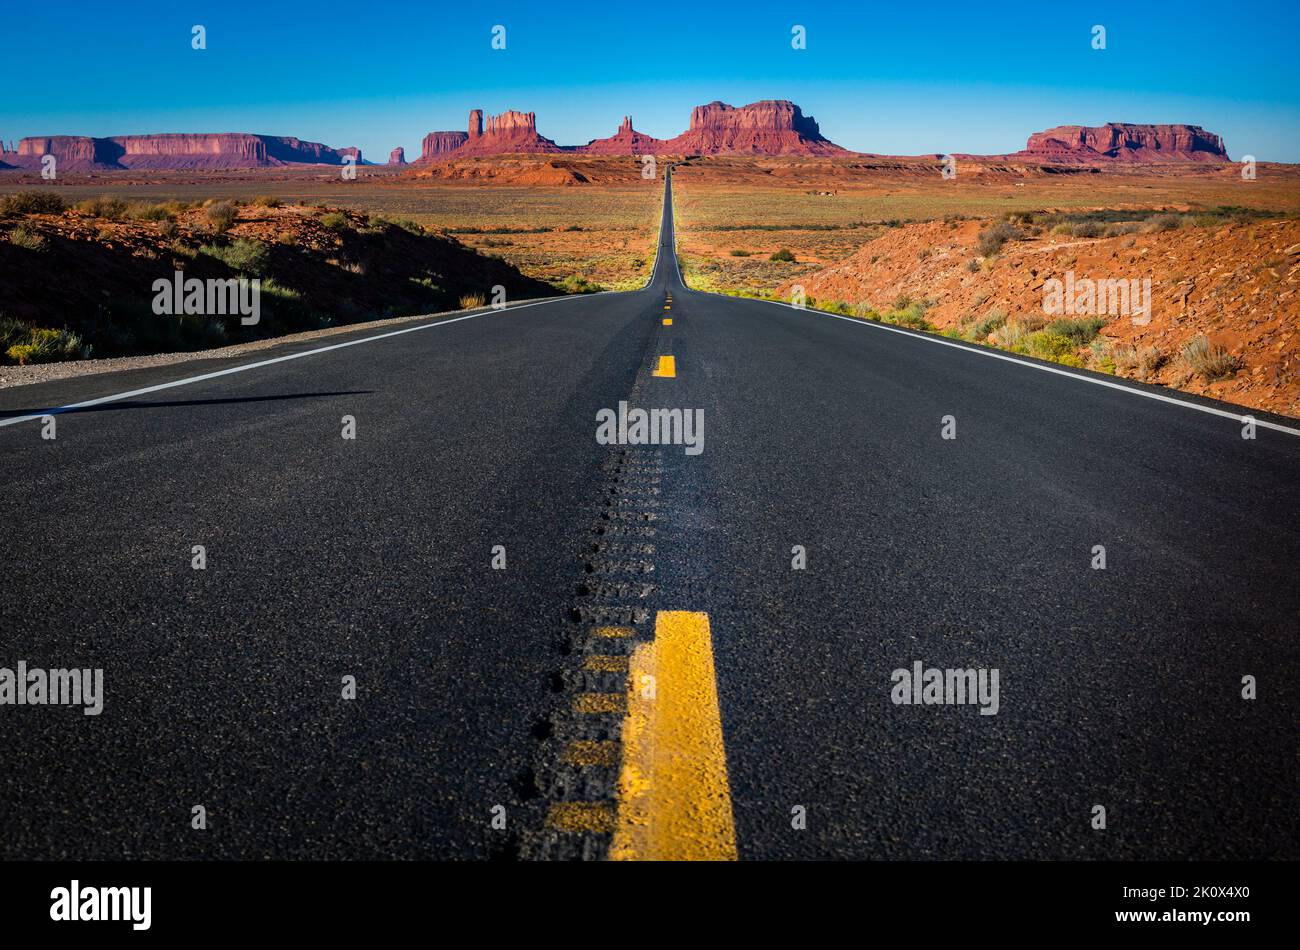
x: 1088, y: 229
x: 994, y: 321
x: 973, y: 266
x: 28, y: 238
x: 1049, y: 346
x: 266, y: 201
x: 274, y: 289
x: 1161, y: 222
x: 1123, y: 227
x: 471, y: 301
x: 168, y: 228
x: 577, y: 284
x: 247, y: 257
x: 221, y: 216
x: 406, y: 224
x: 47, y: 346
x: 923, y: 253
x: 1019, y: 217
x: 738, y: 252
x: 103, y: 207
x: 1064, y: 229
x: 784, y: 254
x: 994, y: 236
x: 335, y: 220
x: 1079, y: 331
x: 863, y: 309
x: 32, y: 202
x: 911, y: 314
x: 1069, y: 359
x: 1211, y: 361
x: 13, y: 332
x: 1014, y: 335
x: 1139, y: 361
x: 150, y: 212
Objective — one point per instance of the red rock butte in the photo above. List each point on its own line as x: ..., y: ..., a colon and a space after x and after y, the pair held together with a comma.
x: 1125, y: 142
x: 214, y: 150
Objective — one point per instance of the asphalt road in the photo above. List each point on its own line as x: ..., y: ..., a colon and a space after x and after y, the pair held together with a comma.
x: 372, y: 558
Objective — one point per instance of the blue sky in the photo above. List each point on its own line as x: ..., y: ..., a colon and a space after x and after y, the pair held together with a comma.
x: 898, y: 78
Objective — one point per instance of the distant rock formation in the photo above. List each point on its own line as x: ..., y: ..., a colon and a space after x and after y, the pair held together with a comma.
x: 438, y: 144
x: 770, y: 127
x: 397, y: 156
x: 1125, y: 142
x: 219, y: 150
x: 506, y: 133
x: 626, y: 141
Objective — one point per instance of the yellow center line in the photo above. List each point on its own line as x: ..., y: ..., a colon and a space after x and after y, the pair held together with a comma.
x: 674, y: 799
x: 667, y: 367
x: 668, y: 321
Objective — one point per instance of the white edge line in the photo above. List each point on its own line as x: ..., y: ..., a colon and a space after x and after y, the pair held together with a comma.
x: 994, y: 354
x: 56, y: 410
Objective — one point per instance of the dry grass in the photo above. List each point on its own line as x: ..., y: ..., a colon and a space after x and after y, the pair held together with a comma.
x: 471, y: 301
x: 1208, y: 360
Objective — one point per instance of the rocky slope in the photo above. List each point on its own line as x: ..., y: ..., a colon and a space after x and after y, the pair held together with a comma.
x: 319, y: 267
x: 1235, y: 282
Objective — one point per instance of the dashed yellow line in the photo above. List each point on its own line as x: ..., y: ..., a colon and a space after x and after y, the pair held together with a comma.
x: 667, y: 367
x: 674, y: 799
x: 595, y: 817
x: 599, y: 703
x: 668, y: 321
x: 605, y: 664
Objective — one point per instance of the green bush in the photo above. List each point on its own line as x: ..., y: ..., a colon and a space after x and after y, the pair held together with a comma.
x: 266, y: 201
x: 994, y: 321
x: 247, y: 257
x: 1079, y: 331
x: 32, y: 202
x: 738, y: 252
x: 335, y: 220
x: 1049, y: 346
x: 784, y: 254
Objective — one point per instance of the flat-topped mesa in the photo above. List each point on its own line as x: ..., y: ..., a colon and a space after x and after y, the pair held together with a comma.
x: 1125, y: 142
x: 508, y: 132
x: 626, y: 141
x: 178, y: 150
x: 770, y: 127
x: 438, y: 144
